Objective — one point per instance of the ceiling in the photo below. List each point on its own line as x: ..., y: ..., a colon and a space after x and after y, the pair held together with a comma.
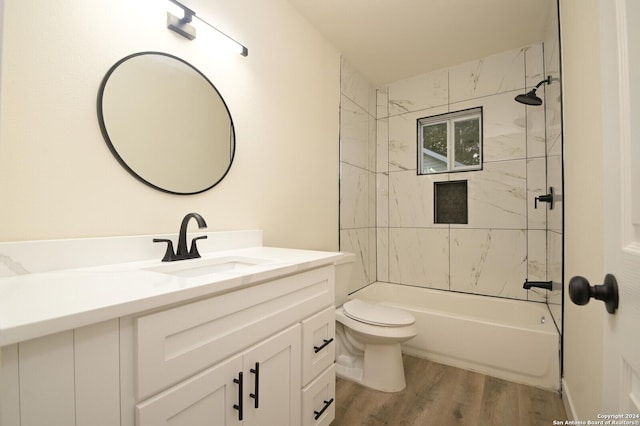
x: 388, y: 40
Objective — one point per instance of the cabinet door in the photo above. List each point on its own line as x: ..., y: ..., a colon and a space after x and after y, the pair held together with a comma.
x: 207, y: 398
x: 272, y: 380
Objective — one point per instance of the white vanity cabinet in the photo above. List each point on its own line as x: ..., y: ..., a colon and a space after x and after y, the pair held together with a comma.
x: 183, y: 364
x: 187, y: 346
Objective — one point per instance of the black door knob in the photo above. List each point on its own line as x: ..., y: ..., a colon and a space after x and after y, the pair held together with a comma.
x: 580, y: 292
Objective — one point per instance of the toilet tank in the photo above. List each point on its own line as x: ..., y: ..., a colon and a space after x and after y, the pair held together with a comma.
x: 344, y: 269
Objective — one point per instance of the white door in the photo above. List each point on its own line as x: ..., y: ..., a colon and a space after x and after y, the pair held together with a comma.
x: 620, y: 50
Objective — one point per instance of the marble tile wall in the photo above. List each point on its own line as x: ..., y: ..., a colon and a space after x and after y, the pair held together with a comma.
x: 386, y: 209
x: 358, y: 140
x: 505, y: 241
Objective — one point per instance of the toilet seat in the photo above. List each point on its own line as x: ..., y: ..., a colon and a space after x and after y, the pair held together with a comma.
x: 375, y: 314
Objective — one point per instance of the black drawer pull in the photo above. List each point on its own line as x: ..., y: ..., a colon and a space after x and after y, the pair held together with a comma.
x: 238, y: 406
x: 256, y: 395
x: 317, y: 349
x: 326, y: 405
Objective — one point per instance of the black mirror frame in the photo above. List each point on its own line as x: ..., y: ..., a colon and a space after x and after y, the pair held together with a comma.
x: 112, y: 148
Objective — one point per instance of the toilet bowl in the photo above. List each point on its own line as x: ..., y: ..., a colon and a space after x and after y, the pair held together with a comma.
x: 368, y: 338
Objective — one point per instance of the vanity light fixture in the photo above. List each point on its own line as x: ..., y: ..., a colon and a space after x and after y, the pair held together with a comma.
x: 180, y: 20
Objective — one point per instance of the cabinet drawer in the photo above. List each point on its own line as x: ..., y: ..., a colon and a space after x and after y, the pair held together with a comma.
x: 318, y: 345
x: 174, y: 344
x: 318, y: 399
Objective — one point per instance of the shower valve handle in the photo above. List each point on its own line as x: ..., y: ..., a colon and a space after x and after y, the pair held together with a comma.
x: 580, y: 292
x: 548, y: 198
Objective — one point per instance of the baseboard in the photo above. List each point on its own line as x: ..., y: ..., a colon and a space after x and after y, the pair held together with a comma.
x: 568, y: 402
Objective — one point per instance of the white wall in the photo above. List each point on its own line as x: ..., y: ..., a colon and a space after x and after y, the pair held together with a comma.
x: 583, y: 202
x: 57, y: 176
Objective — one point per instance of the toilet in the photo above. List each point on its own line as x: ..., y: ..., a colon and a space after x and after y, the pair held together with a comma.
x: 368, y: 336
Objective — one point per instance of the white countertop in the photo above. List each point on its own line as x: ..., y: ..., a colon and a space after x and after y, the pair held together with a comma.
x: 38, y: 304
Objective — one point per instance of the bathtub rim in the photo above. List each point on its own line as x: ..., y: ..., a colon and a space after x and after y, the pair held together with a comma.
x: 498, y: 299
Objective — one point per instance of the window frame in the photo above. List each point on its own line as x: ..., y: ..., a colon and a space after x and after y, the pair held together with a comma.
x: 449, y: 118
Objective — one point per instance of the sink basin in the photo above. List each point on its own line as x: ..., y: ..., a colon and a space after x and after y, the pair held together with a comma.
x: 197, y: 267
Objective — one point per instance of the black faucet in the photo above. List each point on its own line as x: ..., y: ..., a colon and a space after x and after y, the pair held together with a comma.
x: 547, y: 285
x: 182, y: 252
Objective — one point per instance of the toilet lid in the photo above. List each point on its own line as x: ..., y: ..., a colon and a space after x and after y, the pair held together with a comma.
x: 376, y: 314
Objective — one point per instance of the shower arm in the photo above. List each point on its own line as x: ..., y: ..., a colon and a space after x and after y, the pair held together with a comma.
x: 546, y: 80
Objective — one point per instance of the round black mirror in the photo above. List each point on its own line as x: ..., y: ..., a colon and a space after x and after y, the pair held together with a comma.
x: 166, y: 123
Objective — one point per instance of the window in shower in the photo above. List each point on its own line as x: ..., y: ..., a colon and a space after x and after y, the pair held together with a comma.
x: 450, y: 142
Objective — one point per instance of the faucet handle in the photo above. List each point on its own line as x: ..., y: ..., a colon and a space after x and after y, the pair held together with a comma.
x: 169, y: 255
x: 193, y: 251
x: 547, y: 198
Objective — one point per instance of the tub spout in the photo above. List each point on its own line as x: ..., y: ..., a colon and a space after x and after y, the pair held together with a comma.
x: 547, y: 285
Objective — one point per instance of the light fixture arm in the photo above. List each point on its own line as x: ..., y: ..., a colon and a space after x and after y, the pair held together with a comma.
x: 188, y: 13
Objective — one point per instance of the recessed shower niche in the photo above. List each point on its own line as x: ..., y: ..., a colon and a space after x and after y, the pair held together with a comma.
x: 450, y: 202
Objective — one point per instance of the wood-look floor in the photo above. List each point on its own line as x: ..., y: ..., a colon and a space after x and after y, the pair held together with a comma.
x: 440, y: 395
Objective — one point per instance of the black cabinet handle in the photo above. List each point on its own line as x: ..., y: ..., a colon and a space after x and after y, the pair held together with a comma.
x: 326, y: 405
x: 256, y: 395
x: 238, y: 406
x: 325, y: 342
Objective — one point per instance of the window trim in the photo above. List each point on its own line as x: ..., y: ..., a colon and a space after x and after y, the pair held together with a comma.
x: 449, y: 119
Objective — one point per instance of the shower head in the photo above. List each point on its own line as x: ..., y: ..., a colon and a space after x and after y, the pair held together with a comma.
x: 530, y: 98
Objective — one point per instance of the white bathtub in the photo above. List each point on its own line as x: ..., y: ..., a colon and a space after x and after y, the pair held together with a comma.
x: 509, y: 339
